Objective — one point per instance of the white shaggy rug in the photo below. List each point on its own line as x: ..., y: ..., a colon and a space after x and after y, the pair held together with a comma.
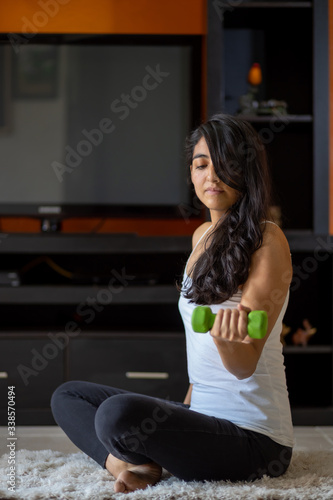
x: 54, y: 475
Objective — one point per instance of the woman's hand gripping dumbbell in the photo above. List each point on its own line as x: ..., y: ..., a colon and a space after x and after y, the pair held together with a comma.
x: 203, y: 319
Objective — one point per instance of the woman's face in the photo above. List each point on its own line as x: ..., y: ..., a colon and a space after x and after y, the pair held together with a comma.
x: 211, y: 191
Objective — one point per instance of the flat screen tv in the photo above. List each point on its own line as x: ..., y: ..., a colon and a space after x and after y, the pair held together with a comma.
x: 95, y: 125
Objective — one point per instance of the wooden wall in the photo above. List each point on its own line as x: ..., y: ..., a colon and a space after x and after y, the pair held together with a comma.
x: 104, y: 16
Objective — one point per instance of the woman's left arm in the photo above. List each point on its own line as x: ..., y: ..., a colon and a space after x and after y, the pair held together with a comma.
x: 265, y: 289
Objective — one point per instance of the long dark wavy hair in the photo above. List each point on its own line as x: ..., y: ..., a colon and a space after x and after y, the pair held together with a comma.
x: 240, y: 161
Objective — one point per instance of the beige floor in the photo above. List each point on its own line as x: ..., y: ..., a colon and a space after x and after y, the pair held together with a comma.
x: 51, y: 437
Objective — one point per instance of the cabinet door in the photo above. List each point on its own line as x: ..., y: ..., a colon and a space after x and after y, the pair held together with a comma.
x: 154, y: 365
x: 35, y: 368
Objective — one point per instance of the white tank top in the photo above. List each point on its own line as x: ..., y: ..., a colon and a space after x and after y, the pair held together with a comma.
x: 260, y: 402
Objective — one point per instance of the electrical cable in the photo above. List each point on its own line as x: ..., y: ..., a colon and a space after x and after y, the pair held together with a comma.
x: 58, y: 269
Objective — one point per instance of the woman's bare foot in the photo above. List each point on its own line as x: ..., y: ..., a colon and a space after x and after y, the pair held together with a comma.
x: 138, y: 477
x: 131, y: 477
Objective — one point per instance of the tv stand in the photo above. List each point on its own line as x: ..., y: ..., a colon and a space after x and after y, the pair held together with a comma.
x: 56, y: 328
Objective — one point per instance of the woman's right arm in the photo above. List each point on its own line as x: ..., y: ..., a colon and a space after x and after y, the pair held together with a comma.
x: 187, y: 399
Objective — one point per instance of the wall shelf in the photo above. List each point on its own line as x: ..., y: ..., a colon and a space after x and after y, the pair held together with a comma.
x: 150, y: 294
x: 310, y: 349
x: 272, y: 5
x: 91, y: 243
x: 285, y: 119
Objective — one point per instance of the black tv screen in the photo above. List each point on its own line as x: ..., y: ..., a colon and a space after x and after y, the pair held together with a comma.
x: 96, y: 125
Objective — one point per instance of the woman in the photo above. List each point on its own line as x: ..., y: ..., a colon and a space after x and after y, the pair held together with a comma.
x: 235, y: 421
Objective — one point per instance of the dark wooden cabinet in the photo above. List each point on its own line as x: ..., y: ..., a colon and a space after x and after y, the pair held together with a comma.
x: 290, y: 42
x: 309, y: 368
x: 153, y: 364
x: 125, y: 329
x: 289, y: 39
x: 35, y: 367
x: 90, y: 307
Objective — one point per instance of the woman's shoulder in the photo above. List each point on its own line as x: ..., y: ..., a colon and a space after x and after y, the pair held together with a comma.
x: 199, y: 232
x: 272, y: 233
x: 271, y: 265
x: 275, y: 243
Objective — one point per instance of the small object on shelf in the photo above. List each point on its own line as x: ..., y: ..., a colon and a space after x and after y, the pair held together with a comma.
x: 272, y: 107
x: 303, y: 335
x: 248, y: 102
x: 254, y: 76
x: 203, y: 319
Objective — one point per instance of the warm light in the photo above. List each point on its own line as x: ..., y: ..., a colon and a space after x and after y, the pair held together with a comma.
x: 255, y: 76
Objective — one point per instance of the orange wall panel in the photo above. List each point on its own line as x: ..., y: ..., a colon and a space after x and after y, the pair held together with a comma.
x: 142, y: 227
x: 104, y: 16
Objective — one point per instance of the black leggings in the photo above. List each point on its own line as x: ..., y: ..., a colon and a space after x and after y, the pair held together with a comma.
x: 140, y: 429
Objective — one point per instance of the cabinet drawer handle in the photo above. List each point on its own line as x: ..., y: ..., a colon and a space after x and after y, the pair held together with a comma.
x: 151, y: 375
x: 3, y: 375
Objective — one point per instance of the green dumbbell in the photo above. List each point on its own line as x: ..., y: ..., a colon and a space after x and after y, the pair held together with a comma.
x: 203, y: 319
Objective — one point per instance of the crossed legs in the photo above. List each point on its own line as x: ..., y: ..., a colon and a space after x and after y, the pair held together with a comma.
x: 134, y: 436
